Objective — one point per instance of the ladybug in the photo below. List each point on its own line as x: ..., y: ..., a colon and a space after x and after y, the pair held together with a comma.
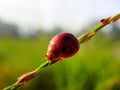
x: 63, y: 45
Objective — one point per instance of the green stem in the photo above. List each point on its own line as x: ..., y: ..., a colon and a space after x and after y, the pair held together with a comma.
x: 26, y: 77
x: 87, y: 36
x: 12, y: 87
x: 44, y: 64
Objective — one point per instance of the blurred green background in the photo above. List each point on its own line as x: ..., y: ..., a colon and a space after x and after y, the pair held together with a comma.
x: 27, y: 26
x: 95, y: 67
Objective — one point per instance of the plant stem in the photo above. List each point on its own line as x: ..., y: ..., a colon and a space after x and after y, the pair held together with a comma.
x: 27, y: 76
x: 85, y: 37
x: 44, y: 64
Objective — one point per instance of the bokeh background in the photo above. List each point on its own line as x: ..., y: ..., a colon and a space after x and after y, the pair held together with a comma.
x: 27, y: 26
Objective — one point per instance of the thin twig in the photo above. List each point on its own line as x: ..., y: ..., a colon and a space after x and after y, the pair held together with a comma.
x: 87, y: 36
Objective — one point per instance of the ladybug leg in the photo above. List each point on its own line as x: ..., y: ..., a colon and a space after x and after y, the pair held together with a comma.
x: 60, y: 59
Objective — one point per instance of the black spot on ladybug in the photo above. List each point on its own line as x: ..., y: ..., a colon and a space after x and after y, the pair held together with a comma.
x: 71, y: 50
x: 51, y: 58
x: 66, y: 38
x: 102, y: 20
x: 64, y: 49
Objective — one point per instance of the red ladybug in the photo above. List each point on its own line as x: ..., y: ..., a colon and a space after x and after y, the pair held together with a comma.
x: 62, y: 45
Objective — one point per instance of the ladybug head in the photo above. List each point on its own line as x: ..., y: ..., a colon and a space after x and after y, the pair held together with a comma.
x: 62, y: 45
x: 53, y: 53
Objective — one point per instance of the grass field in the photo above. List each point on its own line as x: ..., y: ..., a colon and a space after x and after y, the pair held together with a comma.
x: 95, y: 67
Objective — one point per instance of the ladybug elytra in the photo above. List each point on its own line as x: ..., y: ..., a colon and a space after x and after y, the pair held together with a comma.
x: 63, y: 45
